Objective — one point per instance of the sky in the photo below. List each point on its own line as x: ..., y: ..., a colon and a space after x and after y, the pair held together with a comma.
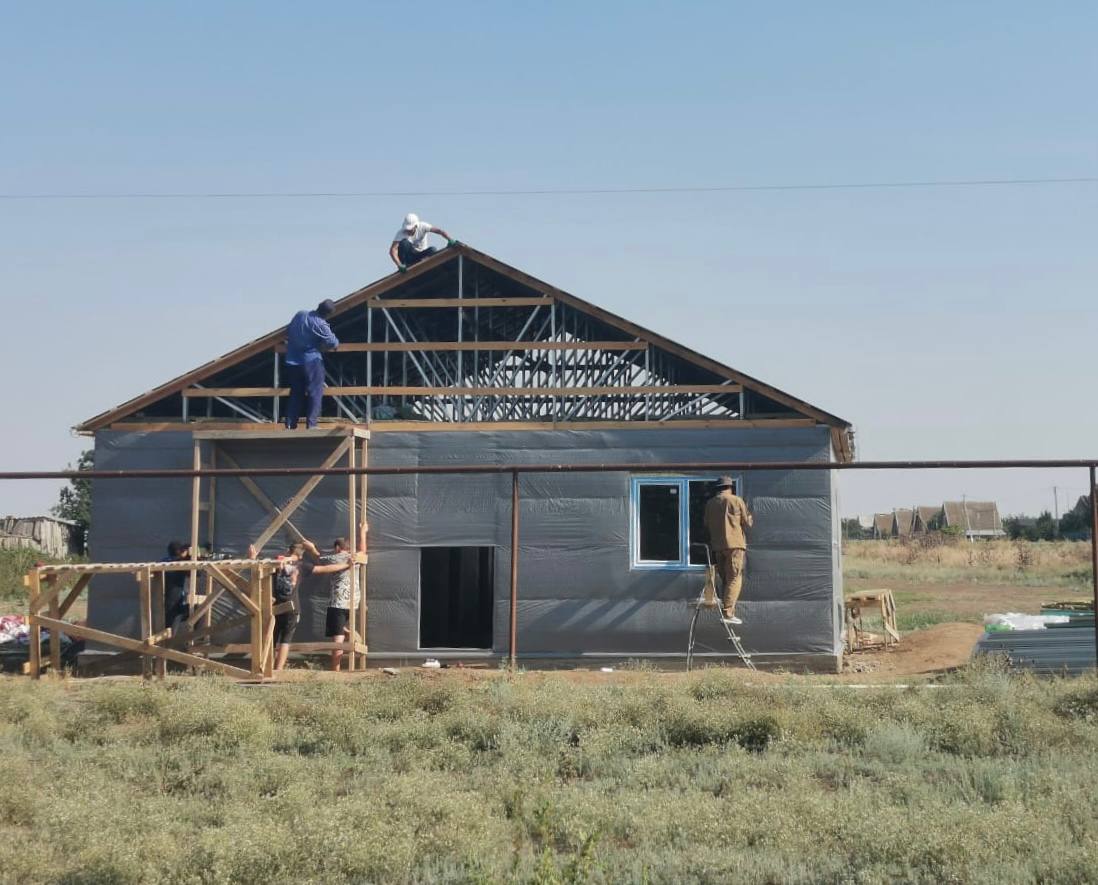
x: 944, y: 322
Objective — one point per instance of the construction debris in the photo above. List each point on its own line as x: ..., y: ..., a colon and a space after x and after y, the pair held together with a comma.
x: 875, y: 602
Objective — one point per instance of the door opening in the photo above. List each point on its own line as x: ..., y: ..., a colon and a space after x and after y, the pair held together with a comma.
x: 456, y: 590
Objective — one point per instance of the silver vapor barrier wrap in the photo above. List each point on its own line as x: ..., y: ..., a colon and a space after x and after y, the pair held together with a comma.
x: 135, y: 519
x: 579, y: 593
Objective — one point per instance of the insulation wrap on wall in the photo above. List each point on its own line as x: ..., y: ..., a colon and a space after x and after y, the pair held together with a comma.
x: 578, y: 593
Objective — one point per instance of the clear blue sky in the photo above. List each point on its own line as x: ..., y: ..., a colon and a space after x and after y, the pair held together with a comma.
x: 943, y: 322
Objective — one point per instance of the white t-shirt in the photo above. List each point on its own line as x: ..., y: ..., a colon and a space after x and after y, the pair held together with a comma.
x: 417, y: 237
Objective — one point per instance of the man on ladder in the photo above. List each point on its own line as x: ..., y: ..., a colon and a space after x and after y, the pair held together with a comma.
x: 726, y: 516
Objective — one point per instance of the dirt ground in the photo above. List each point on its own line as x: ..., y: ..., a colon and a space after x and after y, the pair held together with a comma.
x: 968, y: 601
x: 946, y: 645
x: 926, y: 652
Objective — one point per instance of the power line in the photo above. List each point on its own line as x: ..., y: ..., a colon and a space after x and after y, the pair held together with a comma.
x: 234, y: 195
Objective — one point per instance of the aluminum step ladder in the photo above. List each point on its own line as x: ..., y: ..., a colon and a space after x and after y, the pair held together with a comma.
x: 709, y: 601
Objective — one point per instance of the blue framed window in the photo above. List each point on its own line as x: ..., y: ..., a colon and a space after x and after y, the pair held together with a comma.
x: 667, y: 516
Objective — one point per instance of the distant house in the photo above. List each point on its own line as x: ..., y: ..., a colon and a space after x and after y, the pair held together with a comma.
x: 927, y: 519
x: 976, y: 519
x: 54, y: 537
x: 903, y: 523
x: 882, y: 525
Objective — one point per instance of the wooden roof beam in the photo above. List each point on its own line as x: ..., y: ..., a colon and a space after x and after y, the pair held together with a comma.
x: 385, y: 303
x: 566, y: 392
x: 444, y: 346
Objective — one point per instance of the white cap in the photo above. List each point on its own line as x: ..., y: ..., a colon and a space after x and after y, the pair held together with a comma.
x: 410, y: 221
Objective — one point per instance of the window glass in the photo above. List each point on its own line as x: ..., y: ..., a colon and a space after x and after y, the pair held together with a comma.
x: 658, y: 522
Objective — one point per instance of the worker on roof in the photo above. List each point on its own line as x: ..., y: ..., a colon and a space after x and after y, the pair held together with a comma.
x: 410, y: 242
x: 307, y: 336
x: 726, y: 516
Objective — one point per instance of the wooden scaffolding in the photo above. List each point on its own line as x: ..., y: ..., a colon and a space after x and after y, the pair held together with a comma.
x: 350, y: 449
x: 249, y: 582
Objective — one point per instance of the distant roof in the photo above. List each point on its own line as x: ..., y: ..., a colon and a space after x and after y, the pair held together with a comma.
x: 905, y: 521
x: 928, y: 512
x: 6, y: 520
x: 882, y: 522
x: 973, y: 516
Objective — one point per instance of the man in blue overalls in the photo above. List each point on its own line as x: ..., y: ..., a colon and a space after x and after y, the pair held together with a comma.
x: 307, y: 336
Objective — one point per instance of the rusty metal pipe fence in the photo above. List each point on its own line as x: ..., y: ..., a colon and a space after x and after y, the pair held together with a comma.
x: 516, y: 470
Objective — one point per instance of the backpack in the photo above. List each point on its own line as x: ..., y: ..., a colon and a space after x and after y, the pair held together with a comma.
x: 283, y: 589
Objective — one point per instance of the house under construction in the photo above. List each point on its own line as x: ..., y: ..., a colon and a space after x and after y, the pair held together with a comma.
x: 465, y: 360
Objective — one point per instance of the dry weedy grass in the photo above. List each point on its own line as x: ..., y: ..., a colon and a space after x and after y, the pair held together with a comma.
x: 426, y: 780
x: 939, y: 559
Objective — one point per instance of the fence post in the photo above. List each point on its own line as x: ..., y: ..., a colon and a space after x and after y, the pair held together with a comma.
x: 1094, y: 554
x: 514, y: 564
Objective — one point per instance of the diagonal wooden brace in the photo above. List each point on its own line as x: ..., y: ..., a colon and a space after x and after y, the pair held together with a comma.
x: 303, y: 493
x: 261, y: 496
x: 137, y: 645
x: 227, y: 582
x: 207, y: 604
x: 74, y: 593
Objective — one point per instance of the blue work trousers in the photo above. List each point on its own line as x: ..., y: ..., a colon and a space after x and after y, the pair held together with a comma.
x: 306, y: 392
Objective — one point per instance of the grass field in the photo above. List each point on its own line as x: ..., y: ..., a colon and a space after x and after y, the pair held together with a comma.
x: 939, y: 560
x: 718, y: 776
x: 940, y: 580
x: 545, y: 778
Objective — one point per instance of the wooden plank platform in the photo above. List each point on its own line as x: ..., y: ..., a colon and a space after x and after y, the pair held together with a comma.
x: 277, y: 431
x: 201, y: 565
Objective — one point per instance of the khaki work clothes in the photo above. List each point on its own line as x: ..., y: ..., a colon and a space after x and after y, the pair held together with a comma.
x: 726, y: 515
x: 730, y: 570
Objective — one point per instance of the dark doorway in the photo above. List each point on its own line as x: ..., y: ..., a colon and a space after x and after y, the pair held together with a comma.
x: 455, y: 596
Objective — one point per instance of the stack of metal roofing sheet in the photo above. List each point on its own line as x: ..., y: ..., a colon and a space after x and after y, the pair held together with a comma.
x: 1043, y: 651
x: 1079, y: 614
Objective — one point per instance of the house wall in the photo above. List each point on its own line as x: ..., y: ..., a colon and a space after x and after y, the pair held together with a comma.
x: 133, y: 520
x: 578, y: 594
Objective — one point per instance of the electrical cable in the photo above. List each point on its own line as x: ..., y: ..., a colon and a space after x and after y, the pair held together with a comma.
x: 230, y: 195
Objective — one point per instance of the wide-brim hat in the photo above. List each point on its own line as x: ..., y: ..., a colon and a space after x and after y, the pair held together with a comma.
x: 726, y: 482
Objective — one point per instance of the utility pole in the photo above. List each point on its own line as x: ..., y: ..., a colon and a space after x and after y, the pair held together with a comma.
x: 1055, y: 512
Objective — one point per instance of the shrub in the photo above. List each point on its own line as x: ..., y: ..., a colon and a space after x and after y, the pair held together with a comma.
x: 1081, y: 705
